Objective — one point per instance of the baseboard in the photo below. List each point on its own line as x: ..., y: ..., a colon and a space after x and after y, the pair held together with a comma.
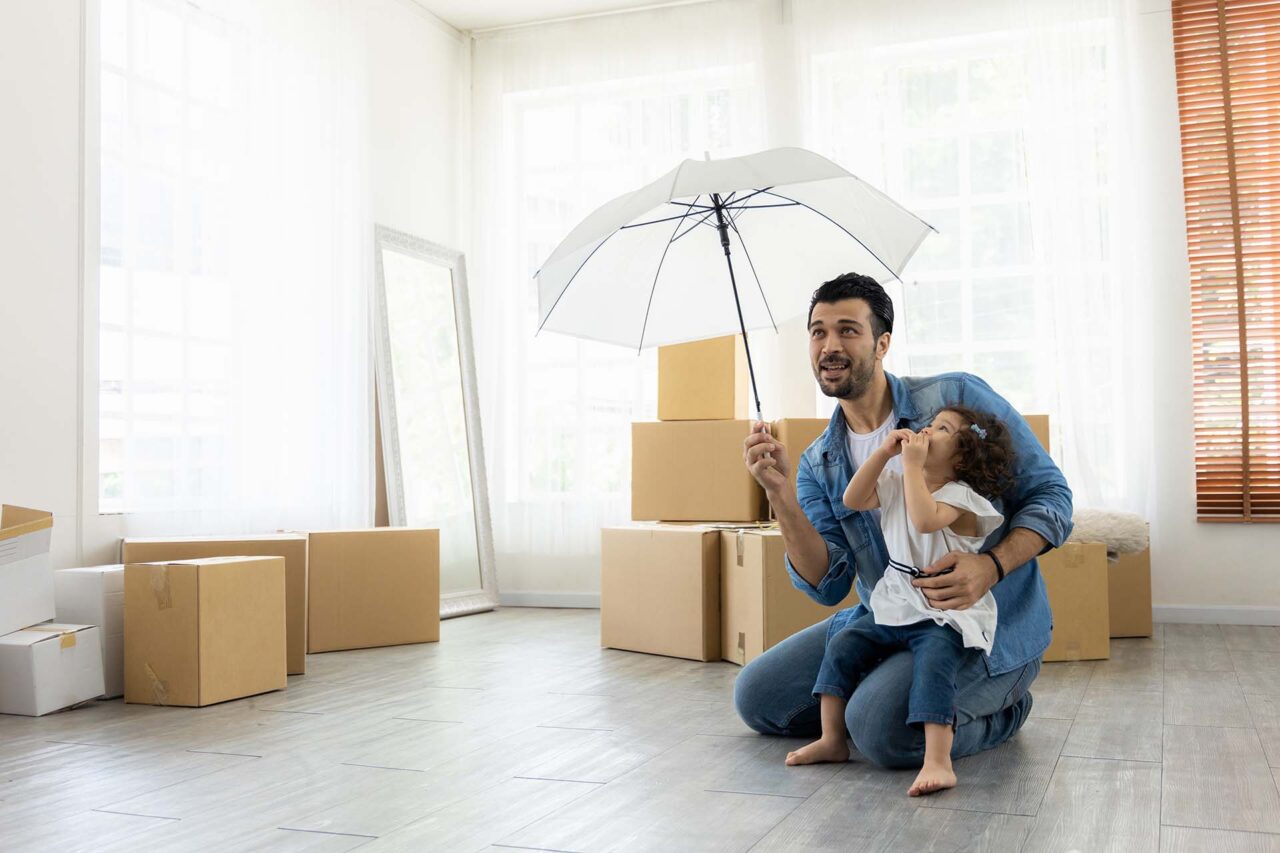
x: 1229, y: 615
x: 586, y: 600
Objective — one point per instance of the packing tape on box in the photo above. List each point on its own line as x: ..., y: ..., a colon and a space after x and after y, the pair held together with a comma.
x: 68, y: 640
x: 160, y: 587
x: 742, y: 545
x: 159, y: 690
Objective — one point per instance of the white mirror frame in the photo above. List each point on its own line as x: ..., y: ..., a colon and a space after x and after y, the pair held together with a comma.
x: 458, y: 603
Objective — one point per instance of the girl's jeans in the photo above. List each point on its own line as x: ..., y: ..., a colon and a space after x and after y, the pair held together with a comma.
x: 774, y: 695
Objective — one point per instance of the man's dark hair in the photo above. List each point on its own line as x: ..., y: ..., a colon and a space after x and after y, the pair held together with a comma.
x: 854, y: 285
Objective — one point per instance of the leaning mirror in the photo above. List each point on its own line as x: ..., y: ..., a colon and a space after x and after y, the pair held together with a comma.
x: 430, y: 412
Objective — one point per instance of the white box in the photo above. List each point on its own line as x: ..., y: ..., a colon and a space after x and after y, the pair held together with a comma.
x: 26, y: 577
x: 48, y: 668
x: 95, y: 596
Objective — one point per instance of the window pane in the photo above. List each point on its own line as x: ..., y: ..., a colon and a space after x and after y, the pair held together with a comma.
x: 995, y: 162
x: 113, y: 30
x: 996, y: 87
x: 157, y: 302
x: 945, y: 249
x: 114, y: 112
x: 933, y: 312
x: 933, y: 168
x: 157, y: 44
x: 1001, y: 235
x: 930, y: 94
x: 1003, y: 309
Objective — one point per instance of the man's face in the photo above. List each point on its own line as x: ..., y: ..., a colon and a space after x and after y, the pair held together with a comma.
x: 843, y: 349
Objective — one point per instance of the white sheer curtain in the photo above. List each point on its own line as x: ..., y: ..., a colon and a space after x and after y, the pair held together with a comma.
x: 1003, y: 123
x: 234, y: 350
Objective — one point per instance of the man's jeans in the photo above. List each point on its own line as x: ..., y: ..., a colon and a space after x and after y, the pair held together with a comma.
x: 774, y: 695
x: 937, y: 653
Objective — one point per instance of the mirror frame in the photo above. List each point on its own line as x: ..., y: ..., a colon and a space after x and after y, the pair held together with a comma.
x: 457, y: 603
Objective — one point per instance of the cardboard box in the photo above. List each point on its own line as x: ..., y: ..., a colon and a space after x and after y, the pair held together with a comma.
x: 49, y: 667
x: 26, y: 577
x: 704, y: 381
x: 796, y: 434
x: 369, y: 588
x: 198, y: 632
x: 660, y: 590
x: 759, y: 606
x: 291, y: 546
x: 95, y: 596
x: 1129, y: 595
x: 1076, y: 577
x: 693, y: 471
x: 1040, y: 426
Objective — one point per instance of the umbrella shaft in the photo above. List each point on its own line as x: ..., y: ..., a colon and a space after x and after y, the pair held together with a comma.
x: 723, y: 227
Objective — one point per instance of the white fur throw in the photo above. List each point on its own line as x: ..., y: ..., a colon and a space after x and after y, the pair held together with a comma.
x: 1121, y: 532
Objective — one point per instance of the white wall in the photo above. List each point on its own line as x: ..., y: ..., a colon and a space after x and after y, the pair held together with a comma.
x: 419, y: 100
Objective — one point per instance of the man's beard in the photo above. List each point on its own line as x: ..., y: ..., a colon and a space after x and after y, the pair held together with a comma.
x: 854, y: 384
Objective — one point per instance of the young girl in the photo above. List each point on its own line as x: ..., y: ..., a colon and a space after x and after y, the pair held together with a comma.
x: 940, y: 502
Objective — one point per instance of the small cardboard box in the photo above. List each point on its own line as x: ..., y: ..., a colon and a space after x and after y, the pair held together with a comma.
x: 704, y: 381
x: 26, y: 577
x: 1129, y: 599
x: 796, y: 434
x: 95, y: 596
x: 693, y: 471
x: 198, y: 632
x: 372, y: 588
x: 49, y: 667
x: 759, y: 606
x: 291, y: 546
x: 660, y: 590
x: 1076, y: 577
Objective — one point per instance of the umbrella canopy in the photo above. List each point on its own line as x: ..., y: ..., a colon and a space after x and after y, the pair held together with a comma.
x: 648, y: 268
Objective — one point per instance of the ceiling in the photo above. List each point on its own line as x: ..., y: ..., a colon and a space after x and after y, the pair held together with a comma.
x: 482, y: 14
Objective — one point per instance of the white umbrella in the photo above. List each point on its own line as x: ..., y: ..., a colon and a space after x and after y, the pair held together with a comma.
x: 647, y: 268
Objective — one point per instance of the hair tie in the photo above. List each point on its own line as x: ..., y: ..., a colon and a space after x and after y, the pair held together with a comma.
x: 982, y: 433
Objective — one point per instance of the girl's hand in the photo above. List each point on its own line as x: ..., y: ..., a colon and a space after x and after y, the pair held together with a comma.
x: 914, y: 450
x: 893, y: 442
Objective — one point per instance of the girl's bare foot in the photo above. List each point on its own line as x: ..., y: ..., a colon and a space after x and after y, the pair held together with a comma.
x: 934, y: 776
x: 821, y: 751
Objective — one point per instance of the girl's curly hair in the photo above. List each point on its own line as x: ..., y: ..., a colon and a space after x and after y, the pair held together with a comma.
x: 986, y: 464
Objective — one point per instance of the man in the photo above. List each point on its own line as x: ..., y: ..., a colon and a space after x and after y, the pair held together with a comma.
x: 850, y: 328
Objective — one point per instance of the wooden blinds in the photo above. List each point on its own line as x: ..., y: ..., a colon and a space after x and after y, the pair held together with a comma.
x: 1228, y: 65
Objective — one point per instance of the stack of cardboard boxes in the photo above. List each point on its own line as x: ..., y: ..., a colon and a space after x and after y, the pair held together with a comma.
x: 196, y: 621
x: 703, y: 577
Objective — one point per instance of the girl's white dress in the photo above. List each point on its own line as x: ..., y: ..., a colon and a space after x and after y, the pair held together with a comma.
x: 894, y: 601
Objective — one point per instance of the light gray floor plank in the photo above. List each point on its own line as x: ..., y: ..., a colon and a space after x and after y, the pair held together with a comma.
x: 1252, y: 638
x: 1196, y: 647
x: 1218, y: 778
x: 1130, y: 668
x: 1118, y: 724
x: 1258, y: 672
x: 1204, y: 698
x: 1181, y: 839
x: 1059, y: 688
x: 1264, y: 710
x: 1099, y: 805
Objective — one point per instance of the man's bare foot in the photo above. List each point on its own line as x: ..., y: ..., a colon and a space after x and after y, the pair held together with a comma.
x: 819, y: 752
x: 934, y: 777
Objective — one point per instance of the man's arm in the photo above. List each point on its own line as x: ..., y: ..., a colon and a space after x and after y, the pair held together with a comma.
x: 812, y: 536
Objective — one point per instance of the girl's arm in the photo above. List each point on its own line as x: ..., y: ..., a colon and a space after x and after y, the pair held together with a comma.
x: 861, y: 492
x: 926, y: 514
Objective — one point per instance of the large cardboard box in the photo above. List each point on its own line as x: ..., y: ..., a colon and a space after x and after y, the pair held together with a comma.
x: 95, y: 596
x: 1129, y: 595
x: 796, y: 434
x: 660, y: 590
x: 291, y: 546
x: 704, y: 381
x: 693, y: 471
x: 759, y: 606
x: 1076, y: 577
x: 49, y: 667
x: 371, y: 588
x: 26, y: 577
x: 198, y: 632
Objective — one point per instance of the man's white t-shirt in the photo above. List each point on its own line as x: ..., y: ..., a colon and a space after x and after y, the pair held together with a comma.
x: 863, y: 444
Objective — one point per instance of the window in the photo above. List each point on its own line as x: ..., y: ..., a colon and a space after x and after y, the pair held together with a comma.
x: 1226, y: 53
x: 171, y: 123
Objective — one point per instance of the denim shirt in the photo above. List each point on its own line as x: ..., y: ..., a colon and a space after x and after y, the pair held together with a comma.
x: 1040, y: 500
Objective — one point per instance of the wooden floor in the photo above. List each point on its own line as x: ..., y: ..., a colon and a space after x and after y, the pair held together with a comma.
x: 517, y: 731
